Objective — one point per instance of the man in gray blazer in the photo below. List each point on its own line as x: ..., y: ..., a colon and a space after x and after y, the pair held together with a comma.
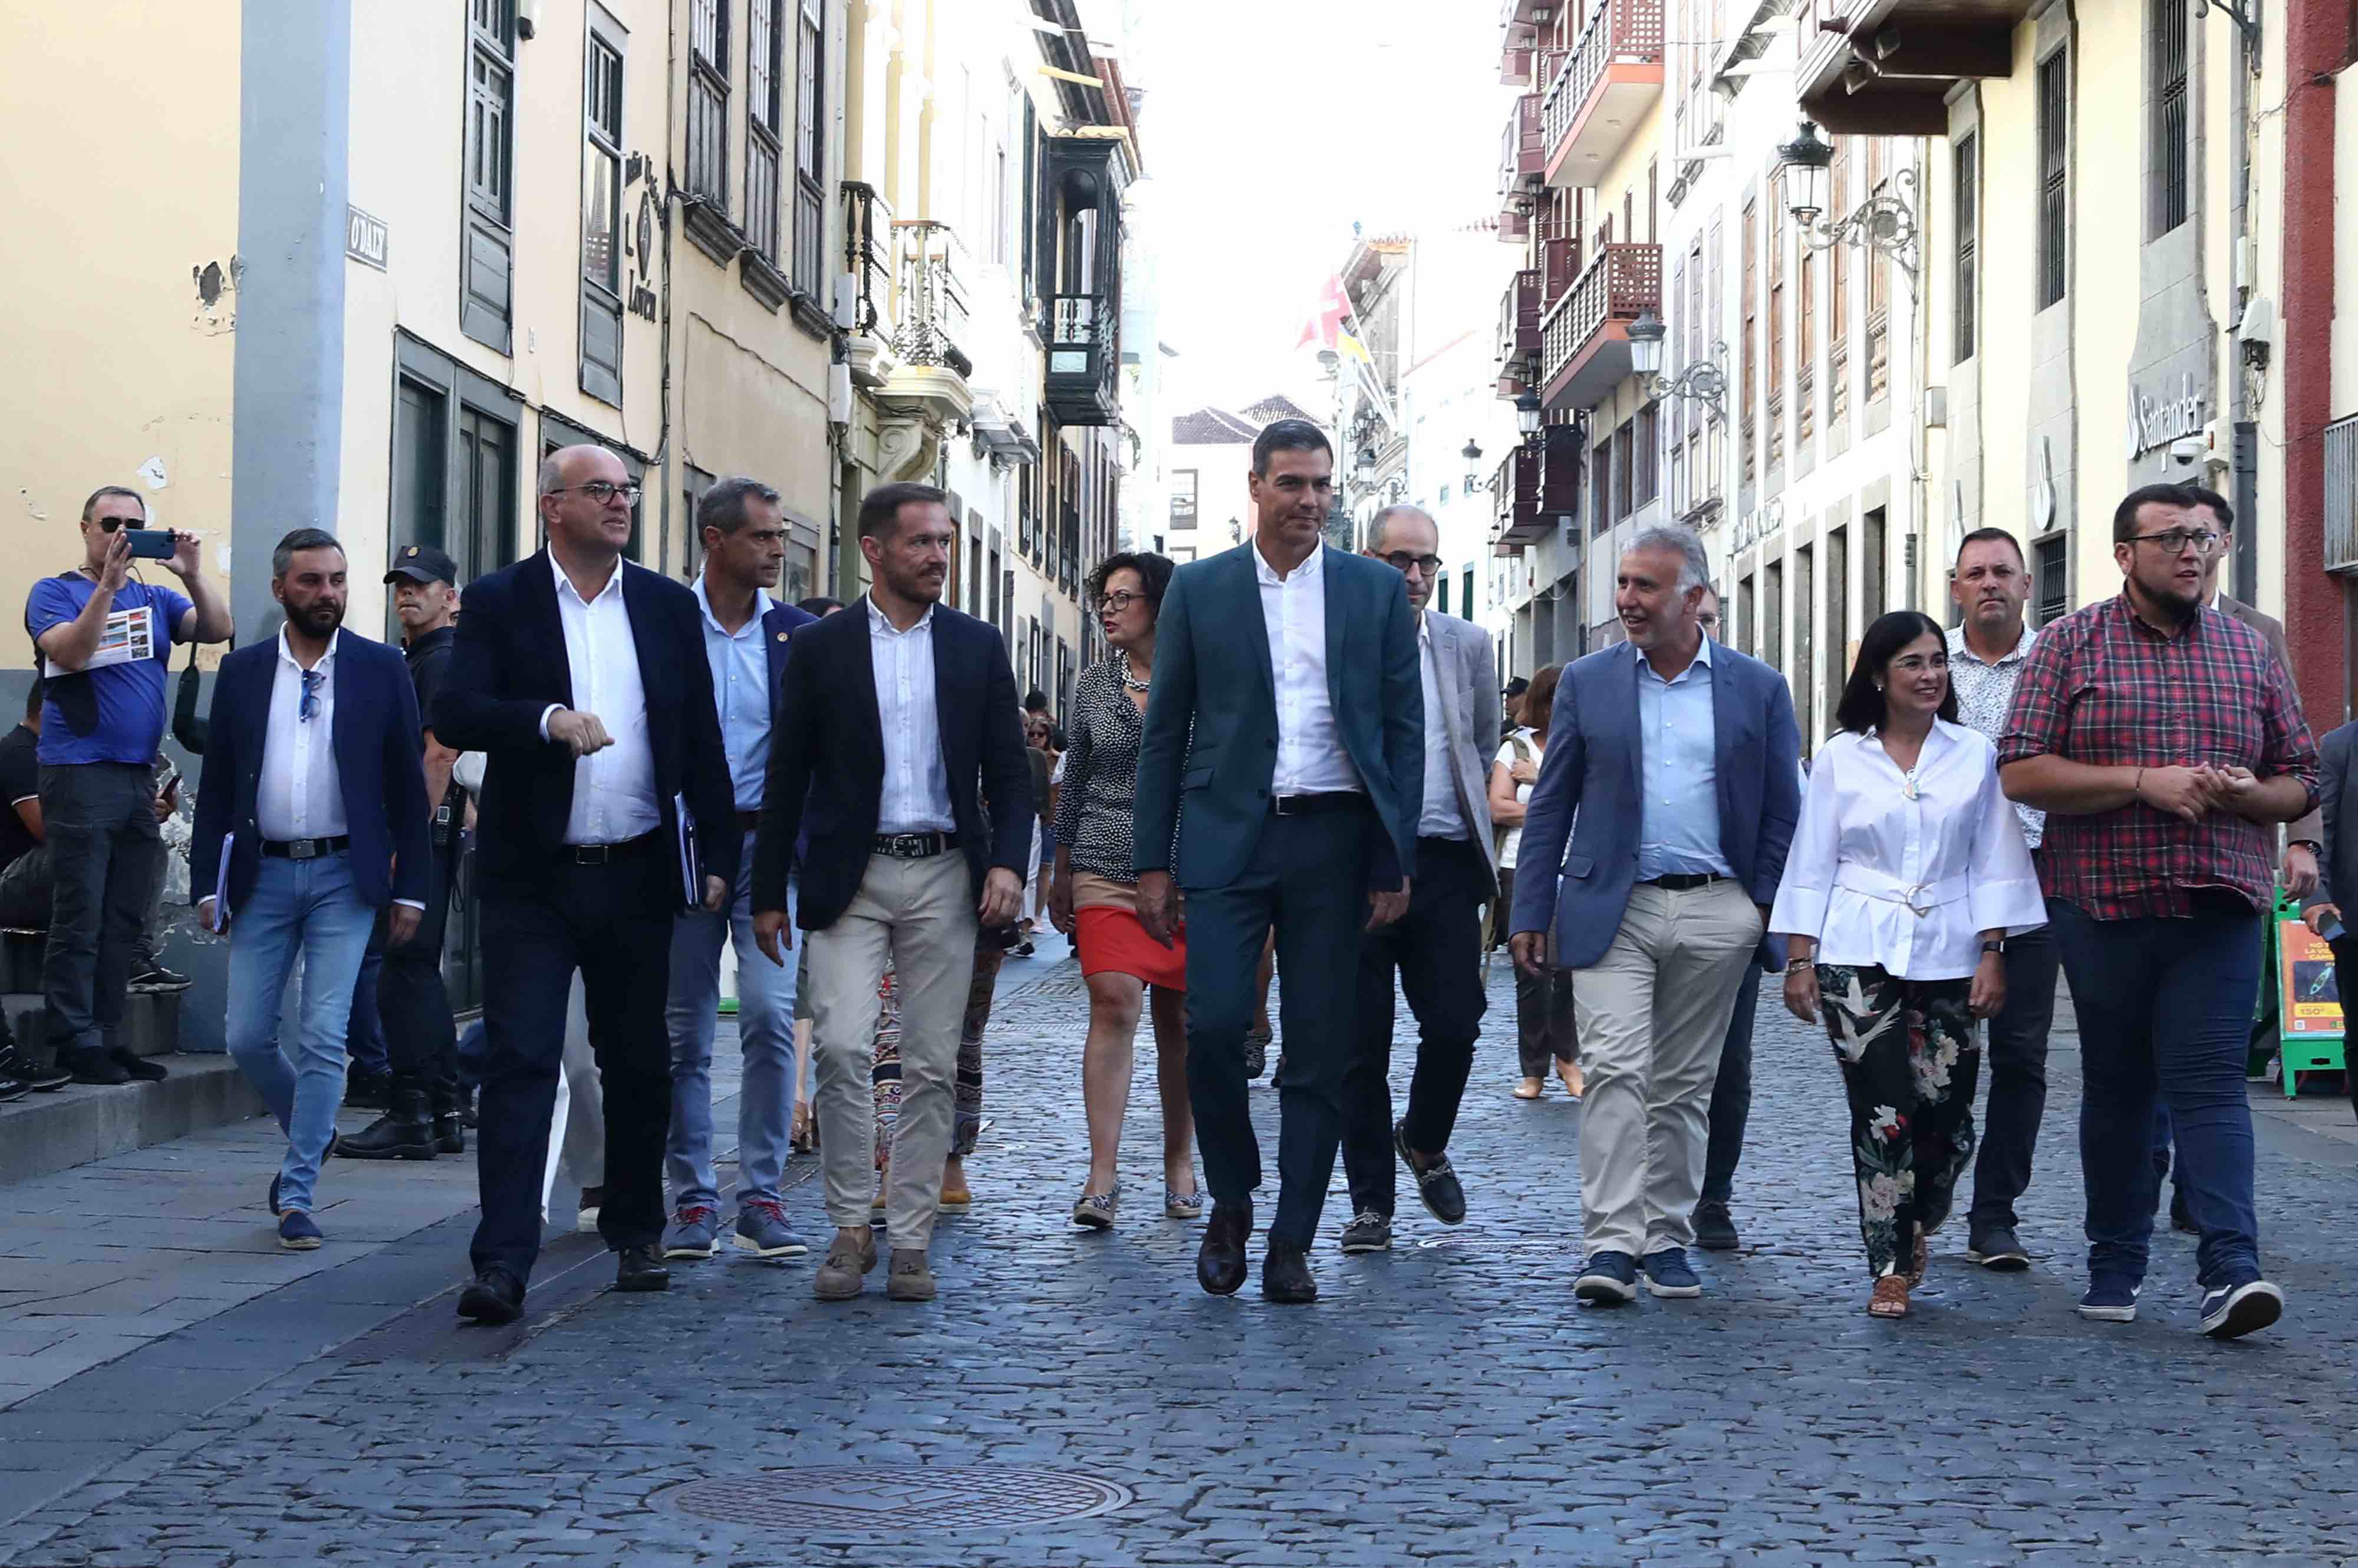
x: 1672, y: 771
x: 1436, y: 948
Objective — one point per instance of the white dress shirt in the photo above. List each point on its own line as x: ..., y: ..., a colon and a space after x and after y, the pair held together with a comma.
x: 300, y: 794
x: 916, y: 798
x: 1443, y: 818
x: 613, y: 789
x: 1905, y: 871
x: 1310, y: 756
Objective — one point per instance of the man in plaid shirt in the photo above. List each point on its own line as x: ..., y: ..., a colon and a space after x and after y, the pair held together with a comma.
x: 2165, y: 742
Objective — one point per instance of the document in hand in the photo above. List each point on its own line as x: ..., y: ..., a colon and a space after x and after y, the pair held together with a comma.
x: 221, y: 884
x: 691, y: 878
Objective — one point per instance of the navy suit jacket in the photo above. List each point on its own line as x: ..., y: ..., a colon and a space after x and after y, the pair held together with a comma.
x: 1208, y: 754
x: 1586, y: 811
x: 827, y: 760
x: 508, y: 665
x: 380, y: 762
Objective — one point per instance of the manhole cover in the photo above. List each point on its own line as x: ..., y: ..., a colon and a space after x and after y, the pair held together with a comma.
x: 973, y: 1497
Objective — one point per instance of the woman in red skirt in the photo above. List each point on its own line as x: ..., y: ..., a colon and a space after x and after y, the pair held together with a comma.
x: 1094, y: 899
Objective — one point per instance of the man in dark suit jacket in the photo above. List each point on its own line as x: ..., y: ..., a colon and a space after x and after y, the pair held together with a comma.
x: 311, y: 819
x: 896, y: 724
x: 582, y: 678
x: 1281, y: 777
x: 2335, y: 756
x: 1672, y: 769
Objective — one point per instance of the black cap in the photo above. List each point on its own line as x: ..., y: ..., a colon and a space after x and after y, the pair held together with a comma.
x: 422, y: 563
x: 1517, y: 687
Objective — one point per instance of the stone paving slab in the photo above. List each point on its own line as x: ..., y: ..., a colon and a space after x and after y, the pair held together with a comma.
x: 1445, y: 1403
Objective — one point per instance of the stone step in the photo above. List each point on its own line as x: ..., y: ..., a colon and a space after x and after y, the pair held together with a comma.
x: 151, y: 1022
x: 46, y: 1132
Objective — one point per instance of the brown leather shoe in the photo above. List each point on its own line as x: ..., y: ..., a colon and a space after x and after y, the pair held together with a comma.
x: 910, y: 1281
x: 845, y: 1274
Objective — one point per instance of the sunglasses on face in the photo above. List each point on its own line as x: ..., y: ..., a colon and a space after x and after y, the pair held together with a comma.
x: 109, y: 525
x: 1401, y: 562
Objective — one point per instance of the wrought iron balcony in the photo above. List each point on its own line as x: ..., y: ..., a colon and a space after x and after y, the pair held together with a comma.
x: 1519, y: 333
x: 1084, y: 359
x: 867, y: 263
x: 1613, y: 78
x: 1888, y: 68
x: 933, y: 314
x: 1586, y: 353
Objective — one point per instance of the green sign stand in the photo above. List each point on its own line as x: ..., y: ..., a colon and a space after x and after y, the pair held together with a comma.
x: 2310, y: 1031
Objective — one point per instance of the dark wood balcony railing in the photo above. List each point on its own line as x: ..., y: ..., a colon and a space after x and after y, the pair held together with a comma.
x: 1622, y: 283
x: 1618, y: 31
x: 1515, y: 489
x: 1522, y: 156
x: 1519, y: 333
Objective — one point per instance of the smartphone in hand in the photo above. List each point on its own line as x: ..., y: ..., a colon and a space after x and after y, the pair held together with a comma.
x: 152, y: 544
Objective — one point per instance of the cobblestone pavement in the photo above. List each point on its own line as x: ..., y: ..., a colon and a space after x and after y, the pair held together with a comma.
x: 1445, y: 1403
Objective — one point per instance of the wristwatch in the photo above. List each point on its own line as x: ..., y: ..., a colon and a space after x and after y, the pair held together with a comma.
x: 1796, y: 965
x: 2311, y: 845
x: 1996, y: 945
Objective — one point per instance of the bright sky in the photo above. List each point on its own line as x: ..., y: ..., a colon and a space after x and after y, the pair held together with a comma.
x: 1270, y: 127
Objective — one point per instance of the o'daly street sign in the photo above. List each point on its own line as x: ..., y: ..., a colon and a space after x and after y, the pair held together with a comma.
x: 2157, y: 421
x: 366, y: 238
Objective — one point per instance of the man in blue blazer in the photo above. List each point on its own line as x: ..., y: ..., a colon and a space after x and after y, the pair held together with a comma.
x: 896, y: 759
x: 741, y: 523
x: 581, y: 678
x: 1672, y: 769
x: 1280, y: 779
x: 311, y: 820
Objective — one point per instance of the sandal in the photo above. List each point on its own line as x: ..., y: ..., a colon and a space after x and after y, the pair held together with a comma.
x: 1890, y: 1297
x: 1530, y: 1088
x: 1095, y: 1211
x: 1177, y: 1204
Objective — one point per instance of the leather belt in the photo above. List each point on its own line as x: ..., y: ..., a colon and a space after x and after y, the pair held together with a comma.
x: 913, y: 845
x: 1682, y: 882
x: 749, y: 820
x: 608, y: 854
x: 307, y: 848
x: 1316, y: 805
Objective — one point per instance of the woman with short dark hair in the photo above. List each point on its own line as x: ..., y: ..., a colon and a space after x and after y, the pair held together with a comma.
x: 1094, y: 897
x: 1907, y: 874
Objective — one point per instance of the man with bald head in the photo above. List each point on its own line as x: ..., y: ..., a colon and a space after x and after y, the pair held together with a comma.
x: 606, y: 808
x: 1436, y: 948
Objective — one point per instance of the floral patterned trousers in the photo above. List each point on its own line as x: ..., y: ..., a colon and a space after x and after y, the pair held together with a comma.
x: 1910, y: 1057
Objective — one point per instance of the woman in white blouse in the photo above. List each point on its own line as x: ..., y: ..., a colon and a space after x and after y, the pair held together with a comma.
x: 1906, y: 873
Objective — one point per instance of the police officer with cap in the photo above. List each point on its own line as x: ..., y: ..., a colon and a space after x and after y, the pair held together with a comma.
x: 421, y: 1040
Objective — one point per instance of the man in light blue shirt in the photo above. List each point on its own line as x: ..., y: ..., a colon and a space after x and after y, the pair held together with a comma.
x: 746, y: 634
x: 1679, y: 822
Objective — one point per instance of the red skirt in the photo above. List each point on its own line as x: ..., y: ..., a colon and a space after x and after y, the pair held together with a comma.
x: 1113, y: 942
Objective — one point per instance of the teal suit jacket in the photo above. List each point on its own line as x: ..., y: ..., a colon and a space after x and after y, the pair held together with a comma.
x: 1209, y: 750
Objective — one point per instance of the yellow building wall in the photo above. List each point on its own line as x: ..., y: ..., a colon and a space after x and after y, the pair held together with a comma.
x: 119, y: 371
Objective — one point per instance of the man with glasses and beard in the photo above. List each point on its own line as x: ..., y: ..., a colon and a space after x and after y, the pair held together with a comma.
x: 315, y: 790
x: 103, y: 640
x: 2165, y: 742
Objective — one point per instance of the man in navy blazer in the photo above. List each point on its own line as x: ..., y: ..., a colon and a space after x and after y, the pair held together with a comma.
x: 896, y: 757
x: 741, y: 523
x: 311, y: 820
x: 606, y: 800
x: 1672, y: 769
x: 1281, y: 776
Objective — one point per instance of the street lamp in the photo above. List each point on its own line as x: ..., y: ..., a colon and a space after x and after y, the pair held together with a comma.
x: 1646, y: 334
x: 1527, y: 416
x: 1701, y: 382
x: 1883, y: 222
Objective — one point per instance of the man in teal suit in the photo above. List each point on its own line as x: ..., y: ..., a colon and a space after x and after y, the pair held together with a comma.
x: 1280, y: 778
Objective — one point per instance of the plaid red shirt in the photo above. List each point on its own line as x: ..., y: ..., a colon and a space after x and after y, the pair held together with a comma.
x: 2102, y: 687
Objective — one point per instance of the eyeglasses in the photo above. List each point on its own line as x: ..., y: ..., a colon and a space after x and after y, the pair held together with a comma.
x: 600, y: 492
x: 310, y: 708
x: 1401, y: 561
x: 1708, y: 622
x: 2174, y: 541
x: 1120, y: 600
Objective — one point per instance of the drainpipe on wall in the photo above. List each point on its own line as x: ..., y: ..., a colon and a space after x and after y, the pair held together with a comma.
x: 2246, y: 447
x: 287, y: 388
x: 2316, y: 40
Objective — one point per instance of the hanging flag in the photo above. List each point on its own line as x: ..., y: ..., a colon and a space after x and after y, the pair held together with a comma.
x: 1325, y: 324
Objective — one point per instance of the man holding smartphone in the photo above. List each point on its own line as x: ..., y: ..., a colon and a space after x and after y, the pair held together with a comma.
x: 105, y: 639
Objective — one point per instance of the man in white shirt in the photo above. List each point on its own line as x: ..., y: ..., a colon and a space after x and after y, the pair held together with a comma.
x: 1436, y: 948
x: 1281, y: 782
x: 1986, y: 653
x: 311, y: 817
x: 897, y: 763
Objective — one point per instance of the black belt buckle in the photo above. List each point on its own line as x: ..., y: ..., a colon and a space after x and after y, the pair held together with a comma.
x: 910, y: 846
x: 593, y: 854
x: 302, y: 848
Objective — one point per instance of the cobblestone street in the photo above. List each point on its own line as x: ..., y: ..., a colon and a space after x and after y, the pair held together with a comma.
x: 1442, y: 1403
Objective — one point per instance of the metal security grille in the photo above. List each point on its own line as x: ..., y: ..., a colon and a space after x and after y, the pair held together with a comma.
x: 2169, y: 136
x: 2054, y: 587
x: 1968, y: 167
x: 975, y: 1497
x: 2341, y: 495
x: 2054, y: 149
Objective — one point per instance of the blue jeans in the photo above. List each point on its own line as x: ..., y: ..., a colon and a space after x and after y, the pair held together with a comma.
x: 308, y: 907
x: 765, y: 1031
x: 2165, y: 1010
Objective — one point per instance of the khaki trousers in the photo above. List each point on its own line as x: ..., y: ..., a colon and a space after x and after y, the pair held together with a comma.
x: 922, y: 913
x: 1652, y: 1012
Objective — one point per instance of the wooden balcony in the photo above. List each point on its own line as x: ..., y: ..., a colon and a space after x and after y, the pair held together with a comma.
x: 1586, y: 333
x: 1519, y: 333
x: 1886, y: 67
x: 1522, y: 160
x: 1515, y: 489
x: 1614, y: 77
